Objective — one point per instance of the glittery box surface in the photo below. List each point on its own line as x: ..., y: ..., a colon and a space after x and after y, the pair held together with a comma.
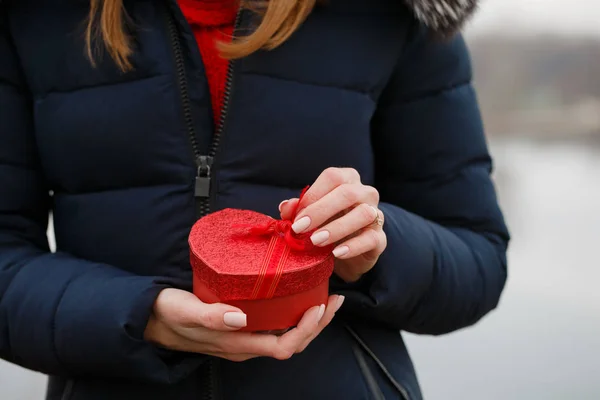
x: 256, y: 272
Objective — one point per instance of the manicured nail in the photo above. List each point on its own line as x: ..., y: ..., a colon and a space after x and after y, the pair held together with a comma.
x: 301, y: 225
x: 321, y: 312
x: 319, y: 237
x: 375, y: 212
x: 282, y: 204
x: 235, y: 319
x: 339, y: 303
x: 340, y: 251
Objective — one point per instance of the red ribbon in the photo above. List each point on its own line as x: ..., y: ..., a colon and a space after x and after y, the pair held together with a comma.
x: 283, y: 239
x: 282, y: 228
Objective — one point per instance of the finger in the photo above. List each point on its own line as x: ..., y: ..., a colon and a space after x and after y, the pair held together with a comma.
x: 341, y: 198
x: 370, y: 240
x: 298, y: 338
x: 353, y: 222
x: 221, y: 317
x: 182, y: 308
x: 279, y: 347
x: 328, y: 180
x: 216, y: 317
x: 287, y: 207
x: 260, y: 345
x: 333, y: 305
x: 308, y: 327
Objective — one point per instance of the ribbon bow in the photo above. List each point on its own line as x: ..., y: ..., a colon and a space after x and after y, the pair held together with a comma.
x: 283, y: 240
x: 282, y: 228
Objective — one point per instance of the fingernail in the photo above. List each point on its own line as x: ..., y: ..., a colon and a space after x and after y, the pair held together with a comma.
x: 282, y: 204
x: 339, y: 303
x: 301, y: 225
x: 375, y: 212
x: 341, y: 251
x: 321, y: 313
x: 235, y: 319
x: 319, y: 237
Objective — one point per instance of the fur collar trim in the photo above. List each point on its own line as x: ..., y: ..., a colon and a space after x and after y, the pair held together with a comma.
x: 444, y: 17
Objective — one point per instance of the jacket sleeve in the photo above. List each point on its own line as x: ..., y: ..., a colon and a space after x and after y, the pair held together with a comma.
x: 445, y: 264
x: 58, y: 314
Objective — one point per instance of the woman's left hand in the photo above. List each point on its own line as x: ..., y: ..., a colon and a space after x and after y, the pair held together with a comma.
x: 344, y: 212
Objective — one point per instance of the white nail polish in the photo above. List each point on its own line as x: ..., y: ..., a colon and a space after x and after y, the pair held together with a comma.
x: 375, y: 211
x: 235, y: 319
x: 282, y: 204
x: 321, y: 312
x: 341, y: 251
x: 319, y: 237
x: 301, y: 225
x: 339, y: 303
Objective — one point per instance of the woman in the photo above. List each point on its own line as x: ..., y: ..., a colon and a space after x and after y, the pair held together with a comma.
x: 126, y: 120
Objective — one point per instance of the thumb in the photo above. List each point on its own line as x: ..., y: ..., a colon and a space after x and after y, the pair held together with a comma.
x: 220, y: 317
x: 182, y: 308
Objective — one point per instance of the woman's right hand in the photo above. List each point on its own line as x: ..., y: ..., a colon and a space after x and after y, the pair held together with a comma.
x: 181, y: 322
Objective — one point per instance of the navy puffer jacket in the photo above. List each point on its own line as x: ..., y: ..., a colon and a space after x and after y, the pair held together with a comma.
x: 362, y: 84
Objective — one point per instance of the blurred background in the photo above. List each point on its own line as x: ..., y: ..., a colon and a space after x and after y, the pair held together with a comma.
x: 536, y: 70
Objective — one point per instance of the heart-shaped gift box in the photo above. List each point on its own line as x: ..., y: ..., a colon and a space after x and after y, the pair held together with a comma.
x: 256, y: 263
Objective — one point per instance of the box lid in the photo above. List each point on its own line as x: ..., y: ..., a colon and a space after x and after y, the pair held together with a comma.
x: 242, y: 254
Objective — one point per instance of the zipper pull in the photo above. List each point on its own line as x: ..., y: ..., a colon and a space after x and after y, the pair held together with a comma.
x: 202, y: 184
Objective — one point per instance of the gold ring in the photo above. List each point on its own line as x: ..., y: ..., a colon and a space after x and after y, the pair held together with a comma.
x: 378, y: 219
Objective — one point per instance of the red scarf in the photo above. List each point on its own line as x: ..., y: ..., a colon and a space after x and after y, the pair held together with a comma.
x: 212, y: 21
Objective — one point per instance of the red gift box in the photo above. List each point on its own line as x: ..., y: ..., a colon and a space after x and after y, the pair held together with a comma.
x: 256, y: 263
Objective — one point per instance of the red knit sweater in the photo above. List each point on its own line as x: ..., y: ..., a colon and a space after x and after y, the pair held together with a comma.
x: 212, y: 21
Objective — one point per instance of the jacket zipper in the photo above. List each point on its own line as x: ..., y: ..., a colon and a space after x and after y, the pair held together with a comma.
x: 204, y: 163
x: 205, y: 179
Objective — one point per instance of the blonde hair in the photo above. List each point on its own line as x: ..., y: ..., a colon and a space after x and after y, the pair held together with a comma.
x: 108, y: 22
